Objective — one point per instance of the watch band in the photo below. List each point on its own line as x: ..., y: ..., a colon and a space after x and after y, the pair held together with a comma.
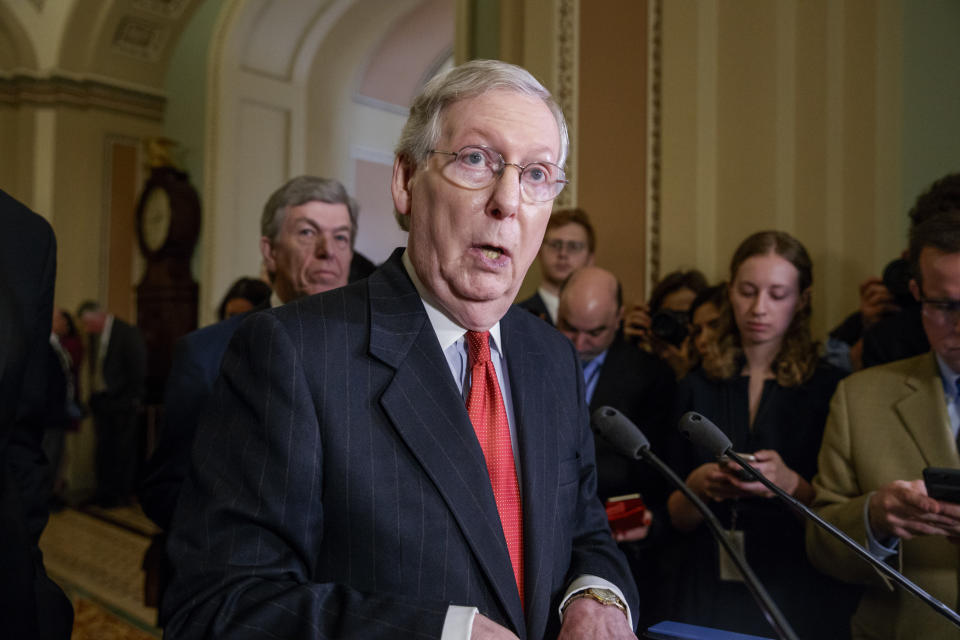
x: 605, y: 597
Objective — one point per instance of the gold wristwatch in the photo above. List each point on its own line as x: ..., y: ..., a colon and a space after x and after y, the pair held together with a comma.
x: 603, y: 596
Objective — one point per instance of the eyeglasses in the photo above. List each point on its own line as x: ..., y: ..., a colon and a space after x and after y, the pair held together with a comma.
x: 572, y: 246
x: 477, y: 167
x: 943, y: 311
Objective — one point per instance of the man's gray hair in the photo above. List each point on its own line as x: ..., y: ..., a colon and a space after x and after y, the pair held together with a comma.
x: 469, y: 80
x: 301, y: 190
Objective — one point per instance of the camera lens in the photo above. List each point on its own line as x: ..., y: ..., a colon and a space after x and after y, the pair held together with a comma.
x: 669, y: 326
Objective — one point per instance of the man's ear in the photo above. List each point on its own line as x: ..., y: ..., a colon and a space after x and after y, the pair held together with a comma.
x: 266, y: 250
x: 590, y: 260
x: 915, y: 289
x: 400, y: 185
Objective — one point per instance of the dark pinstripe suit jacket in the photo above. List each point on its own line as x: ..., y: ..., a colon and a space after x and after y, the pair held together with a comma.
x: 338, y: 489
x: 31, y: 605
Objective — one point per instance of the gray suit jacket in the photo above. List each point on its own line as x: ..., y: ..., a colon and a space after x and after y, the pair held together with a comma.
x: 338, y: 488
x: 886, y: 423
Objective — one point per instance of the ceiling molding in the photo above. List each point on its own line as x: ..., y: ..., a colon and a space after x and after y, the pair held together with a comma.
x: 61, y: 91
x: 140, y: 38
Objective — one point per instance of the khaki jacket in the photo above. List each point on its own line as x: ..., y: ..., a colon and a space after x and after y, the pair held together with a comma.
x: 886, y: 423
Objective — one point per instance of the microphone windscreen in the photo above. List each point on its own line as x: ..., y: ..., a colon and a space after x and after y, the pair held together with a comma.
x: 703, y: 433
x: 619, y: 431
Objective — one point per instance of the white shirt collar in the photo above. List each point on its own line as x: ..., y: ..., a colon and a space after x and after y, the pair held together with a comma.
x: 448, y: 331
x: 551, y: 301
x: 275, y: 300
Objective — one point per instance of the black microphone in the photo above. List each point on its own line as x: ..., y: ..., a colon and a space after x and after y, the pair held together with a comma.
x: 628, y: 440
x: 701, y: 431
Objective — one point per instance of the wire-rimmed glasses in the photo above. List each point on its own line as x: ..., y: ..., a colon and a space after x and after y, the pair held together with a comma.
x: 477, y: 167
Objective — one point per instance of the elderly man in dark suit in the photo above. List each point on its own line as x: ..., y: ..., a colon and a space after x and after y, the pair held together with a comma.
x: 31, y: 605
x: 117, y: 356
x: 307, y: 233
x: 409, y: 455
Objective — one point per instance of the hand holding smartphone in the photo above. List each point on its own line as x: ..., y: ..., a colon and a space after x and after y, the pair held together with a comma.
x: 730, y: 466
x: 943, y: 483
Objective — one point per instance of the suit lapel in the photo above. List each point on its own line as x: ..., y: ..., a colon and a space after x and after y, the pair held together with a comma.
x: 538, y: 461
x: 923, y: 406
x: 429, y: 414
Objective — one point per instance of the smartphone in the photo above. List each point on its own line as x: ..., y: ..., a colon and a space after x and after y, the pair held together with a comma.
x: 728, y: 464
x: 943, y: 483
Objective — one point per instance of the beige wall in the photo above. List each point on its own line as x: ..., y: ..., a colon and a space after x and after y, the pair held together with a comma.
x: 612, y: 134
x: 783, y: 115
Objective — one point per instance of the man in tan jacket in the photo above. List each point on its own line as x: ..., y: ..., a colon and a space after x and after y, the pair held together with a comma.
x: 886, y: 425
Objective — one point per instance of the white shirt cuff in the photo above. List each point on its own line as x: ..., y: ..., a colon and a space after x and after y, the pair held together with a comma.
x: 876, y: 548
x: 458, y: 624
x: 585, y: 582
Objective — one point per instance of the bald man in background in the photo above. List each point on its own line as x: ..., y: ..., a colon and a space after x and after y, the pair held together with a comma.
x: 639, y: 385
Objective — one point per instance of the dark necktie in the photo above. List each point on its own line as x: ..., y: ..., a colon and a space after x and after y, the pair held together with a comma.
x: 489, y: 417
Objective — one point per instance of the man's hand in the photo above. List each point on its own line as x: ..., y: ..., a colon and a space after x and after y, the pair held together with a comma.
x: 486, y: 629
x: 876, y: 301
x: 637, y: 533
x: 586, y: 619
x: 904, y: 510
x: 636, y: 324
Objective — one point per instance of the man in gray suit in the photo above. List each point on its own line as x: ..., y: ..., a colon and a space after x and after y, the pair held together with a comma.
x: 410, y: 456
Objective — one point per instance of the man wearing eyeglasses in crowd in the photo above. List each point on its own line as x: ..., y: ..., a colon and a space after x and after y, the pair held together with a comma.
x: 568, y: 244
x: 886, y: 425
x: 410, y: 456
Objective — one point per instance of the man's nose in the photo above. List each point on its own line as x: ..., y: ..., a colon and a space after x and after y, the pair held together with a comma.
x: 505, y: 199
x: 322, y: 245
x: 581, y: 342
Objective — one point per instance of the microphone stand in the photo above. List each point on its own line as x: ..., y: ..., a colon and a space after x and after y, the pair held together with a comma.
x: 770, y: 610
x: 879, y: 565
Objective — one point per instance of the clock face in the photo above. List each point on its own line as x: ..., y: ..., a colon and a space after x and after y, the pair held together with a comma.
x: 156, y: 219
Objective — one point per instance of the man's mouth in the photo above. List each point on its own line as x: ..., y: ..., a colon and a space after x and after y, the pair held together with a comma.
x: 491, y: 252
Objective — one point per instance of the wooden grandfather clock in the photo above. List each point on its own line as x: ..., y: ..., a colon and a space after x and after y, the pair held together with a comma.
x: 168, y: 226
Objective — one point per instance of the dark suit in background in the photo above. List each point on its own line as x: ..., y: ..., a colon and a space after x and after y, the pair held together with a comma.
x: 338, y: 489
x: 534, y: 304
x: 115, y: 409
x: 31, y: 605
x: 895, y: 337
x: 195, y: 366
x: 642, y: 387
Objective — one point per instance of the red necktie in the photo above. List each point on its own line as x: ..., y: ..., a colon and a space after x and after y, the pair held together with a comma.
x: 489, y: 418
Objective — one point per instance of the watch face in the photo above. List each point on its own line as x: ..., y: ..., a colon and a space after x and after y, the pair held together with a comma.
x: 156, y: 219
x: 604, y: 595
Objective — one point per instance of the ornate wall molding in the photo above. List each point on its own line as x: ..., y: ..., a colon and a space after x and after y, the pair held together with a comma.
x: 568, y: 53
x: 57, y: 90
x: 654, y: 140
x: 566, y: 93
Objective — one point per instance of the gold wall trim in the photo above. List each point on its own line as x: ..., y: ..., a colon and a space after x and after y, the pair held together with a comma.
x: 654, y: 138
x: 568, y: 12
x: 23, y: 90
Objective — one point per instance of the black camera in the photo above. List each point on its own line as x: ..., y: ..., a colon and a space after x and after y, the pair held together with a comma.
x: 670, y: 326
